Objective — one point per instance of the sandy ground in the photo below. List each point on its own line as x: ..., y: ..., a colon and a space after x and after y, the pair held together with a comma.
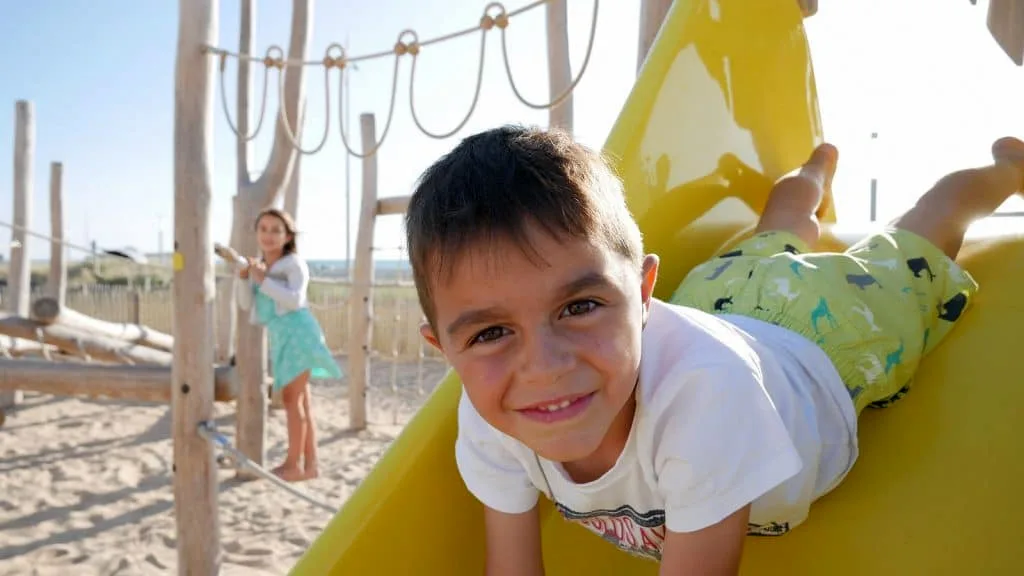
x: 85, y: 485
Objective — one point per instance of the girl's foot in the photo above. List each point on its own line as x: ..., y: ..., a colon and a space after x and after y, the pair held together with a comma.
x: 311, y: 472
x: 289, y: 472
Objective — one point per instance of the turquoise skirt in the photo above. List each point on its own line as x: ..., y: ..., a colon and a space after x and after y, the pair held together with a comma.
x: 296, y: 343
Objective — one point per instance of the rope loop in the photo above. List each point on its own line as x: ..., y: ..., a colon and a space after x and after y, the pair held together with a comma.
x: 334, y: 62
x: 500, y: 19
x: 403, y: 47
x: 274, y: 62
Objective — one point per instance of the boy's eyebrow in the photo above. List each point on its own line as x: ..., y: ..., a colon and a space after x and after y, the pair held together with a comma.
x: 592, y: 279
x: 586, y: 281
x: 470, y: 317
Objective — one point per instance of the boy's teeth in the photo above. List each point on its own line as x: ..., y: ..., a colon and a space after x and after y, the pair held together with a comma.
x: 560, y: 406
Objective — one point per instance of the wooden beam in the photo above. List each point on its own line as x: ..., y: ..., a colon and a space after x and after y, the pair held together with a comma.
x: 1006, y: 23
x: 11, y: 347
x: 79, y: 343
x: 192, y: 378
x: 145, y: 383
x: 393, y: 205
x: 361, y: 302
x: 48, y: 311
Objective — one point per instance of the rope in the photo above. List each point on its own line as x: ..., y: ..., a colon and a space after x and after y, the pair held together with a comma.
x: 476, y: 92
x: 74, y: 246
x: 208, y: 430
x: 328, y: 62
x: 284, y: 62
x: 568, y: 90
x: 391, y: 107
x: 224, y: 100
x: 408, y: 43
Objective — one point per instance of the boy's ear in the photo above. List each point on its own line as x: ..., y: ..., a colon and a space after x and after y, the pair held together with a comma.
x: 648, y: 278
x: 428, y: 334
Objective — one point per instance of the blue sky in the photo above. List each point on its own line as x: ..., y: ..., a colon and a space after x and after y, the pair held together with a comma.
x: 924, y: 74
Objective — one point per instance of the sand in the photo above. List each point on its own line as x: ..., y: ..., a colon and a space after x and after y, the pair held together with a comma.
x: 85, y: 485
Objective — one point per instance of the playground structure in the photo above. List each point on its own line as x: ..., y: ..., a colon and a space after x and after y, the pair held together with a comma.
x: 725, y: 103
x: 188, y: 361
x: 48, y: 347
x: 416, y: 479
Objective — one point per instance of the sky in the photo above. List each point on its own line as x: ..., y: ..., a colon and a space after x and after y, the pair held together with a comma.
x: 924, y: 75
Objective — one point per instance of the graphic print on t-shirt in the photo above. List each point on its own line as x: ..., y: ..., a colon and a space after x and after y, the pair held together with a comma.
x: 643, y: 534
x: 636, y: 533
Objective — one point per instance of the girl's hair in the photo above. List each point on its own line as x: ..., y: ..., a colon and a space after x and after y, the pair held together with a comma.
x: 290, y: 247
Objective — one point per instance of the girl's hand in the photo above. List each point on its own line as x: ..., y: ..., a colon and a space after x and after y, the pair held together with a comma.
x: 258, y: 271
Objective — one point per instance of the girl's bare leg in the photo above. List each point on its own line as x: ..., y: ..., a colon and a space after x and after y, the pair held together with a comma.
x: 295, y: 416
x: 311, y: 460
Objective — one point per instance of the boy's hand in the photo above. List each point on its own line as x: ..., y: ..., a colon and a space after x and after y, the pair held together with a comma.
x: 513, y: 543
x: 715, y: 550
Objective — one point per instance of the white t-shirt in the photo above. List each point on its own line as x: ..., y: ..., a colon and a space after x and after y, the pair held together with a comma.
x: 730, y: 410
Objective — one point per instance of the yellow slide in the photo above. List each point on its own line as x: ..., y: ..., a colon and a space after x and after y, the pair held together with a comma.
x: 725, y: 104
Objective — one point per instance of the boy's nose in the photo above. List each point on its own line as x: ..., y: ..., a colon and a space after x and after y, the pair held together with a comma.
x: 546, y: 356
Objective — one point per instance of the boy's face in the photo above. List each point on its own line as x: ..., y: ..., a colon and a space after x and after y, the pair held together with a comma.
x: 548, y: 349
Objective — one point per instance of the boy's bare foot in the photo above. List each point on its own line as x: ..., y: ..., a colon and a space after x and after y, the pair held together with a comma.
x: 1010, y: 150
x: 289, y: 472
x: 821, y: 166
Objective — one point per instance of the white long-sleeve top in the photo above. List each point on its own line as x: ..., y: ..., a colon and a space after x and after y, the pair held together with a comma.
x: 286, y: 283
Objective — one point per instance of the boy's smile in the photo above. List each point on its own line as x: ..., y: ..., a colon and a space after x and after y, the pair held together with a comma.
x: 546, y: 340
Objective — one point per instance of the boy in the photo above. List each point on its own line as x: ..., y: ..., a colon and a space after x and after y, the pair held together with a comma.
x: 672, y: 430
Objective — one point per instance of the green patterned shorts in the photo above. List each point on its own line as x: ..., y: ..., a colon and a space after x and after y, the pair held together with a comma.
x: 875, y: 309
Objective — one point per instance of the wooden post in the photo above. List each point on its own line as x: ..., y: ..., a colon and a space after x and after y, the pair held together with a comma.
x: 19, y: 277
x: 652, y: 14
x: 291, y: 193
x: 227, y: 308
x: 361, y: 302
x: 136, y: 308
x: 559, y: 67
x: 267, y: 190
x: 56, y: 281
x: 226, y: 314
x: 192, y: 379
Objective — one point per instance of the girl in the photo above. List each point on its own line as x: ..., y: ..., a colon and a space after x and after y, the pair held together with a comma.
x: 275, y: 294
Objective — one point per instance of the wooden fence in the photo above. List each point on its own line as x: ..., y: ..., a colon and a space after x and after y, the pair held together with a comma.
x: 397, y: 313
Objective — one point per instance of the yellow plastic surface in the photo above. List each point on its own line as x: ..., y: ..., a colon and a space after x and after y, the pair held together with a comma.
x: 725, y: 104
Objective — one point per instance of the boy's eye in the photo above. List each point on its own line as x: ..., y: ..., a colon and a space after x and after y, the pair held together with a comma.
x: 580, y: 307
x: 489, y: 335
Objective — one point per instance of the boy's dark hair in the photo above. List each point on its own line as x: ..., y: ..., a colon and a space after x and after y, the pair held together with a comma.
x: 495, y: 183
